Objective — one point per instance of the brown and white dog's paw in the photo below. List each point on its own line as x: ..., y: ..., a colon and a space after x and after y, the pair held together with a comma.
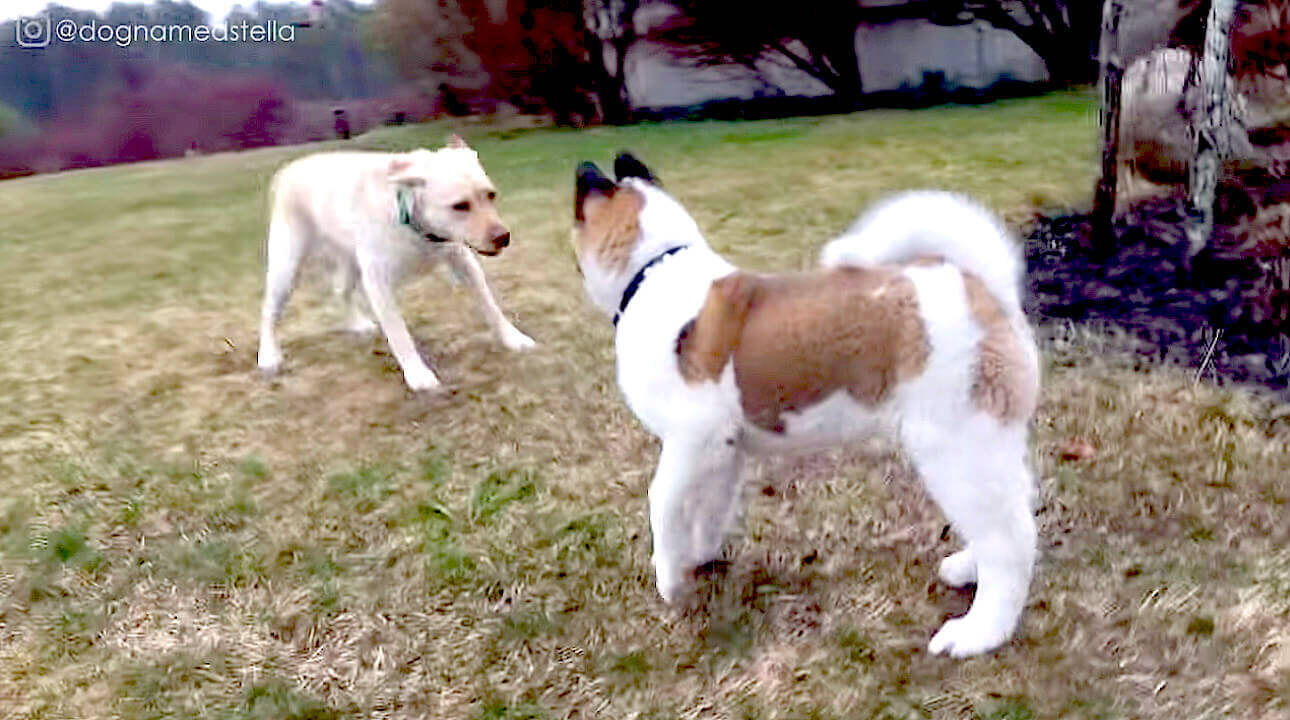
x: 674, y: 585
x: 961, y: 637
x: 958, y: 570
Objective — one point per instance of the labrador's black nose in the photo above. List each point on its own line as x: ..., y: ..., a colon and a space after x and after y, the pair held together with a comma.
x: 502, y: 240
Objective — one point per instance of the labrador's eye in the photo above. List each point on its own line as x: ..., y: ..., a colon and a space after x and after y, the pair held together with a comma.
x: 492, y: 195
x: 462, y: 206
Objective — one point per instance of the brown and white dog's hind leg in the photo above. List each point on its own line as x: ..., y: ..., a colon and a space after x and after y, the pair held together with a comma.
x: 466, y: 267
x: 976, y: 472
x: 692, y: 500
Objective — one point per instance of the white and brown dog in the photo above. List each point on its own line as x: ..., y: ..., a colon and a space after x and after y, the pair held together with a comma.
x: 379, y: 217
x: 912, y: 326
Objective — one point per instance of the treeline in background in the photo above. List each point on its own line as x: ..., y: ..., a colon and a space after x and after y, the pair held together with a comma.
x: 78, y: 105
x: 573, y: 62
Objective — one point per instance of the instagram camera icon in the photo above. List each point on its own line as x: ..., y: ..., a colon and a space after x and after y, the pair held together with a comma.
x: 33, y: 32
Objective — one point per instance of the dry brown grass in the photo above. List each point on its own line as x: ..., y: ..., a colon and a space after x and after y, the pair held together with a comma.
x: 182, y: 539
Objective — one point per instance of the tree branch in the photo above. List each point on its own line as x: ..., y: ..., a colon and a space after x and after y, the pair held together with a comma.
x: 823, y: 73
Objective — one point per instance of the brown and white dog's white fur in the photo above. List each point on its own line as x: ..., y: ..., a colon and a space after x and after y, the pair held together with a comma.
x: 911, y: 327
x: 381, y: 216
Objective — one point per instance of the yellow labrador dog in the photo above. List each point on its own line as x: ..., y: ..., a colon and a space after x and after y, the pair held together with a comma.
x: 380, y: 217
x: 912, y: 327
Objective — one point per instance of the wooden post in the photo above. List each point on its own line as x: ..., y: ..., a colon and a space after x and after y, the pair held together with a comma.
x: 1211, y: 122
x: 1101, y: 240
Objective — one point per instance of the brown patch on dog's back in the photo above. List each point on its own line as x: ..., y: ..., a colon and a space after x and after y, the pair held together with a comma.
x: 1002, y: 381
x: 707, y: 341
x: 797, y: 339
x: 611, y: 227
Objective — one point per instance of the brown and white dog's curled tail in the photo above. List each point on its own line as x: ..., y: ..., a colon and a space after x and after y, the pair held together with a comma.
x: 938, y: 224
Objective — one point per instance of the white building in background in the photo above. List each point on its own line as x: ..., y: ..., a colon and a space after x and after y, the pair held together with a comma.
x: 656, y: 80
x: 906, y: 53
x: 900, y: 54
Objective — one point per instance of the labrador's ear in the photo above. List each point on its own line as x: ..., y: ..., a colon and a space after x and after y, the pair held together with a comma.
x: 456, y: 142
x: 590, y: 183
x: 402, y: 171
x: 627, y: 166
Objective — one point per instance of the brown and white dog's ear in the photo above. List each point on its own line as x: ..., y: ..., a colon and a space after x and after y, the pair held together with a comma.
x: 456, y: 142
x: 591, y: 183
x: 402, y: 171
x: 627, y: 166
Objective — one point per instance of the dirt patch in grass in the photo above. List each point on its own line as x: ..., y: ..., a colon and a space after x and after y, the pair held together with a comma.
x: 1224, y: 312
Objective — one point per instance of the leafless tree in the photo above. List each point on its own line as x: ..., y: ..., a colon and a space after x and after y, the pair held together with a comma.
x: 817, y: 37
x: 528, y: 53
x: 611, y: 23
x: 1112, y: 75
x: 1211, y: 75
x: 1064, y: 33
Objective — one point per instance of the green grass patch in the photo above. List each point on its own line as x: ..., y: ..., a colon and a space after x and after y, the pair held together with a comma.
x: 500, y: 489
x: 500, y: 710
x: 165, y: 686
x: 216, y: 560
x: 69, y: 546
x: 1010, y: 709
x: 525, y: 624
x: 632, y: 667
x: 590, y: 540
x: 278, y: 700
x: 366, y: 487
x: 857, y: 648
x: 450, y: 565
x: 254, y: 466
x: 73, y: 630
x: 1201, y: 626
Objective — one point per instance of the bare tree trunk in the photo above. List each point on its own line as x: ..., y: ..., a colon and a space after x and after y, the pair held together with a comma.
x: 610, y: 22
x: 623, y: 111
x: 1060, y: 32
x: 837, y: 49
x: 1211, y: 122
x: 1102, y: 240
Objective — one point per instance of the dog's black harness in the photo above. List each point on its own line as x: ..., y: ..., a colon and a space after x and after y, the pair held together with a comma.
x: 639, y: 278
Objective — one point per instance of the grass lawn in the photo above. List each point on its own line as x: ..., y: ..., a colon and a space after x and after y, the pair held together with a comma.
x: 180, y: 538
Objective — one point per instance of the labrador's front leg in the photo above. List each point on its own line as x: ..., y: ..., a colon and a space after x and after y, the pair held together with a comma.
x: 466, y: 266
